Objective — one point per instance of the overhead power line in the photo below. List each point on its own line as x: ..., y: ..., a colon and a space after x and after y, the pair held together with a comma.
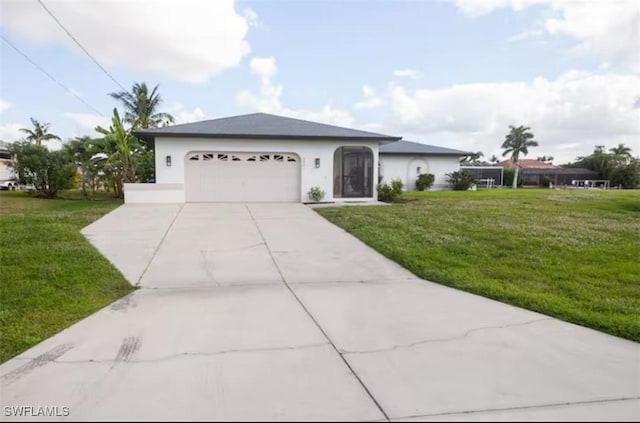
x: 41, y: 69
x: 80, y: 45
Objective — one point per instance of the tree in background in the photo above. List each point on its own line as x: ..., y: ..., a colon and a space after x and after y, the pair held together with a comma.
x: 141, y: 107
x: 621, y: 153
x: 618, y: 165
x: 516, y: 143
x: 494, y: 159
x: 472, y: 158
x: 48, y: 171
x: 545, y: 159
x: 39, y: 133
x: 84, y: 151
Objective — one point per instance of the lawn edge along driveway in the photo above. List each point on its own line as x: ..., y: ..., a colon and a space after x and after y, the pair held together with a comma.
x: 51, y: 276
x: 570, y: 254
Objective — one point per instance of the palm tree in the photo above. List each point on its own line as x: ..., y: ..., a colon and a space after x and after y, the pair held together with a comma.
x: 141, y: 107
x: 517, y: 142
x: 39, y: 133
x: 473, y: 157
x: 83, y: 150
x: 621, y: 151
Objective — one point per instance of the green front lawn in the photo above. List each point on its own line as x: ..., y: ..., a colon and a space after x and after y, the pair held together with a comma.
x: 50, y: 275
x: 570, y: 254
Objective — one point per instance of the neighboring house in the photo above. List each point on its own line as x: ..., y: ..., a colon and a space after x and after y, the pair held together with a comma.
x: 405, y: 160
x: 535, y: 172
x: 263, y: 157
x: 486, y: 173
x: 527, y: 164
x: 569, y: 176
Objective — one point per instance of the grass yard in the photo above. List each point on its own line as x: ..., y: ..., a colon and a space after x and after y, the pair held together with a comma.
x: 50, y: 275
x: 570, y: 254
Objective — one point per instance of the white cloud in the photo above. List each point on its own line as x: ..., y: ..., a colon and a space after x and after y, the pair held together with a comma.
x: 482, y: 7
x: 532, y: 34
x: 268, y: 99
x: 252, y: 18
x: 610, y: 29
x: 10, y: 132
x: 187, y: 40
x: 371, y: 100
x: 4, y: 105
x: 185, y: 116
x: 87, y: 122
x: 264, y: 67
x: 577, y: 107
x: 407, y: 73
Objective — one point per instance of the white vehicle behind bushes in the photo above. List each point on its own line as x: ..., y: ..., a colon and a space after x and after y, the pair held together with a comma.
x: 7, y: 177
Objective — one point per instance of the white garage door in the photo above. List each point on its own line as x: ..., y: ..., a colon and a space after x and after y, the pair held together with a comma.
x: 223, y: 176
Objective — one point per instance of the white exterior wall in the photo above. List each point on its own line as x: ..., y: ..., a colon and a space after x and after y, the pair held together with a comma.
x: 153, y: 193
x: 403, y: 167
x: 307, y: 150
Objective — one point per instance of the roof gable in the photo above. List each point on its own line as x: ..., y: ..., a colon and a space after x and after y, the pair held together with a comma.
x: 409, y: 147
x: 263, y: 125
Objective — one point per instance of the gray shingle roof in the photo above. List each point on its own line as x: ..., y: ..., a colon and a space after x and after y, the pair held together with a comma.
x: 409, y: 147
x: 263, y: 125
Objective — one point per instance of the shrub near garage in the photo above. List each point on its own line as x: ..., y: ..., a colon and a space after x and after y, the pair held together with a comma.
x: 316, y: 194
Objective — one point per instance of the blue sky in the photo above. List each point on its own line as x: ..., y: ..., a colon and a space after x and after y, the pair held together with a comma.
x: 451, y: 73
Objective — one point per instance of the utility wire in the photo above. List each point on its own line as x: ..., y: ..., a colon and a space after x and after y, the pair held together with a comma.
x: 41, y: 69
x: 80, y: 45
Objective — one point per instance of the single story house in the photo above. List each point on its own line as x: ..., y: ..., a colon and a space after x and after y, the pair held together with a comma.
x: 405, y: 160
x: 559, y: 176
x: 263, y: 157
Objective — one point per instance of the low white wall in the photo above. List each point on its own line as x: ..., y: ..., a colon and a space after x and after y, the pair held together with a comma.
x: 153, y: 193
x: 404, y: 167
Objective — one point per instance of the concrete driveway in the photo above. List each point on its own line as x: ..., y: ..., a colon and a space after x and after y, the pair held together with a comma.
x: 269, y: 312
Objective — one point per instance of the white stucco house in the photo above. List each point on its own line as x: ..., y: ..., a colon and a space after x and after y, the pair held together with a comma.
x: 405, y: 160
x: 260, y: 157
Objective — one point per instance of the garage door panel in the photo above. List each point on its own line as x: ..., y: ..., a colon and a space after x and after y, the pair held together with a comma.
x: 242, y: 177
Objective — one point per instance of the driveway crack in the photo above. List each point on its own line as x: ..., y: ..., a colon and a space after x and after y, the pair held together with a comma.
x: 118, y: 360
x: 524, y: 407
x: 448, y: 339
x: 159, y: 245
x: 315, y: 322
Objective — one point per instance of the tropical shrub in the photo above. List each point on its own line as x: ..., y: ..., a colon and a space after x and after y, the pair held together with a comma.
x: 316, y: 194
x: 461, y: 181
x: 389, y: 192
x: 385, y: 192
x: 396, y: 187
x: 424, y: 181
